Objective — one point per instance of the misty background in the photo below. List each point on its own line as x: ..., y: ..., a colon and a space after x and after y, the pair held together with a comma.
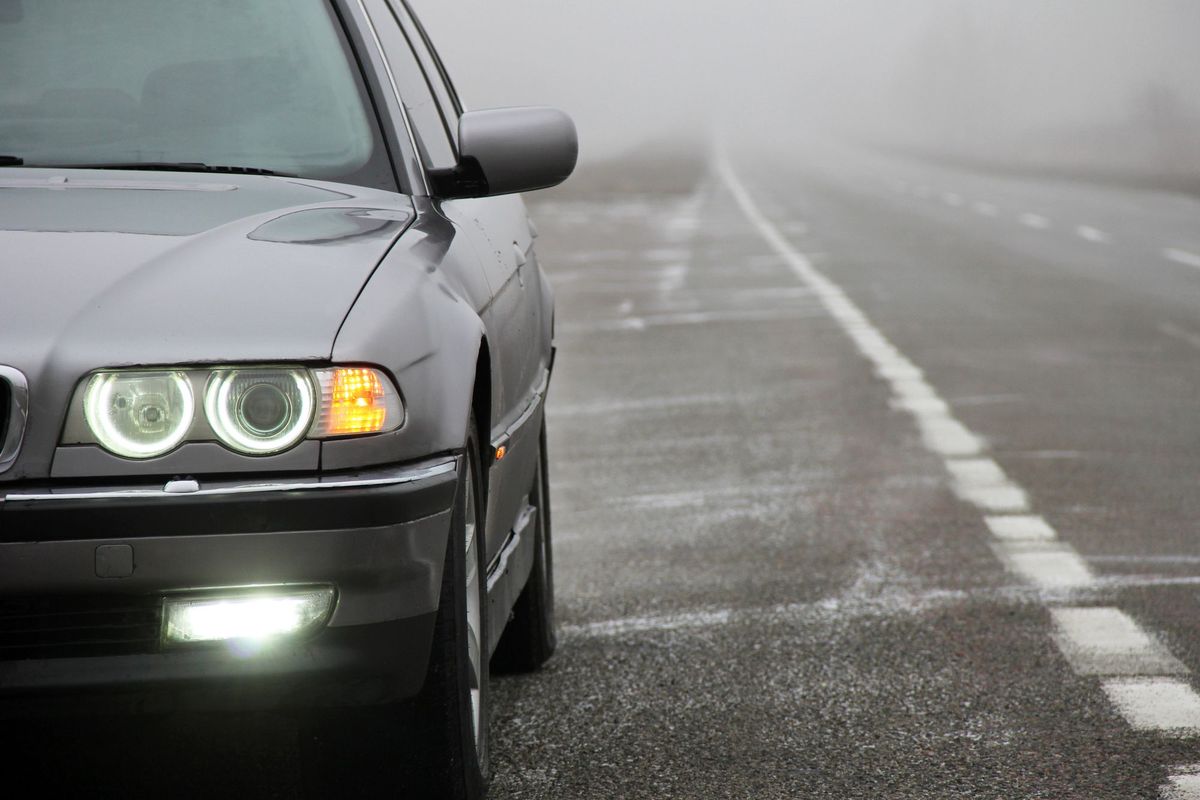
x: 1094, y: 85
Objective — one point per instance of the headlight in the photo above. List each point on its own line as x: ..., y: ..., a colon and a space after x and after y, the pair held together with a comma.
x: 139, y: 414
x: 254, y: 410
x: 259, y: 411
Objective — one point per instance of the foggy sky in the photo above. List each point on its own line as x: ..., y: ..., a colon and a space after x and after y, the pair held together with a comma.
x: 960, y: 73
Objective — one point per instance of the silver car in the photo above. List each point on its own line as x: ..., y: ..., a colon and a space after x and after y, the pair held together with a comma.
x: 274, y: 350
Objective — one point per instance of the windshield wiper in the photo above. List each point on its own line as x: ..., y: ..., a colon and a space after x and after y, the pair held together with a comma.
x: 177, y: 166
x: 11, y: 161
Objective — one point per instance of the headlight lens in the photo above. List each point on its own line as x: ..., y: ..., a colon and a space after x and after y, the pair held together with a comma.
x: 259, y: 411
x: 256, y: 410
x: 139, y: 414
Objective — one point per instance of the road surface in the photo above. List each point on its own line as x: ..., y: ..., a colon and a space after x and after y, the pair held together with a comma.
x: 871, y: 478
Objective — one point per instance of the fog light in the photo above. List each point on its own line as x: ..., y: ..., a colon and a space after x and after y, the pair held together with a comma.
x: 262, y: 615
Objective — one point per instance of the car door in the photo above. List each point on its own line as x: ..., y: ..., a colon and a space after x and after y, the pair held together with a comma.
x: 500, y: 236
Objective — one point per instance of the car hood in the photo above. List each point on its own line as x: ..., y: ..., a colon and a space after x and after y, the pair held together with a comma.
x: 108, y: 269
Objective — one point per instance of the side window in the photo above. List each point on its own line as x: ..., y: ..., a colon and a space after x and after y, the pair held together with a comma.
x: 442, y: 89
x: 429, y: 128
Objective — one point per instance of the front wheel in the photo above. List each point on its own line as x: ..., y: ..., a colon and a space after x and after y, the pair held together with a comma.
x: 453, y: 705
x: 436, y: 745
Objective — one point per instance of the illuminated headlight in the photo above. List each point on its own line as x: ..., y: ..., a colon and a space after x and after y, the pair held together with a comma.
x: 258, y: 616
x: 259, y: 411
x: 256, y: 410
x: 139, y: 414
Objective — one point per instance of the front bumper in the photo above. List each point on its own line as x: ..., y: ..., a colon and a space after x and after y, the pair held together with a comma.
x: 378, y: 537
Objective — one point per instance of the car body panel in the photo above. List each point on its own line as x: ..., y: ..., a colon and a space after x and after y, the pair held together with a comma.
x: 112, y: 269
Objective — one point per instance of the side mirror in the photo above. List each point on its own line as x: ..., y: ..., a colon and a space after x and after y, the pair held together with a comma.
x: 507, y: 150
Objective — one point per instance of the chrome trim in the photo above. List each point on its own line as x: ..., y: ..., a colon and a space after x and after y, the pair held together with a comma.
x: 499, y: 564
x: 18, y: 415
x: 389, y: 478
x: 539, y: 394
x: 387, y: 67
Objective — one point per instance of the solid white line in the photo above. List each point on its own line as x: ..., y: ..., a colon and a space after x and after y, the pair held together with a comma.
x: 1182, y: 257
x: 1035, y: 221
x: 1020, y: 528
x: 1183, y: 784
x: 1088, y: 233
x: 1165, y: 705
x: 1106, y: 641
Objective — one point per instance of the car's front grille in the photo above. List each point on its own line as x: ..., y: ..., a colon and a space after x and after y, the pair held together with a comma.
x: 79, y: 626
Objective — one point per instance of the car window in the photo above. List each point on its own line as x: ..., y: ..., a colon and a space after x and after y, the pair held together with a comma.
x: 429, y: 128
x: 258, y: 83
x: 439, y: 81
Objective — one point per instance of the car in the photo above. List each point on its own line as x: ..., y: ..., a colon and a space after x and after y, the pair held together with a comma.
x: 274, y: 352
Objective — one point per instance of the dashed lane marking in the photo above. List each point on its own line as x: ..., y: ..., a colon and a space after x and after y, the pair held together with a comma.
x: 1025, y: 543
x: 1184, y: 783
x: 1166, y: 705
x: 1182, y: 257
x: 1090, y: 234
x: 1020, y: 528
x: 1035, y: 221
x: 1176, y: 332
x: 1107, y: 641
x: 985, y: 209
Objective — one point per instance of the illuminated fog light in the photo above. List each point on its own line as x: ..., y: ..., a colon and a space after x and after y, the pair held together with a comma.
x: 259, y: 616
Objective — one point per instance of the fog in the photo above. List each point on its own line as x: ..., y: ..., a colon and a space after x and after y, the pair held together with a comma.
x: 1072, y: 82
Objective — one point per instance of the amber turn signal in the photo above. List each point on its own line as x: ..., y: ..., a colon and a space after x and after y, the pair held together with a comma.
x: 357, y: 400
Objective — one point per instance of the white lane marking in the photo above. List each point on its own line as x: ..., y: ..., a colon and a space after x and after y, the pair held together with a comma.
x: 889, y: 602
x: 1048, y: 565
x: 669, y: 403
x: 1020, y: 528
x: 657, y: 622
x: 1176, y: 332
x: 975, y: 473
x: 625, y: 308
x: 1166, y: 705
x: 1159, y: 704
x: 947, y: 436
x: 920, y: 405
x: 1183, y: 784
x: 952, y: 199
x: 1107, y: 641
x: 687, y: 318
x: 665, y: 254
x: 1036, y: 221
x: 985, y: 209
x: 1090, y: 234
x: 1182, y: 257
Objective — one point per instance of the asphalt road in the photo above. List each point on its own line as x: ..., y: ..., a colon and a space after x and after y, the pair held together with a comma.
x: 871, y: 479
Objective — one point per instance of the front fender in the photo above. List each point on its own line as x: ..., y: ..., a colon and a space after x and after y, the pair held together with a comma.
x: 415, y: 320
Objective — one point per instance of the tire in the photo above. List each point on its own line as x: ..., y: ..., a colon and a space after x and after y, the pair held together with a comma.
x: 435, y: 745
x: 529, y: 638
x: 452, y: 708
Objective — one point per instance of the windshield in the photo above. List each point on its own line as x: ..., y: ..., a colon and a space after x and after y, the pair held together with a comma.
x: 265, y: 84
